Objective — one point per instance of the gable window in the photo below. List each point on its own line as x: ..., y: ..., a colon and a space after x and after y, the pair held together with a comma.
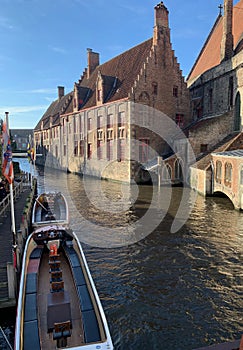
x: 203, y: 147
x: 175, y: 91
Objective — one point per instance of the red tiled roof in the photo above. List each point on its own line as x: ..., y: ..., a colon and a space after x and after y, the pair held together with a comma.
x: 209, y: 56
x: 125, y: 68
x: 62, y: 105
x: 119, y: 75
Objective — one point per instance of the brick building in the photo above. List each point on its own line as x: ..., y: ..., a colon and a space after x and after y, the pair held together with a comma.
x: 20, y: 138
x: 216, y: 89
x: 91, y: 129
x: 228, y: 175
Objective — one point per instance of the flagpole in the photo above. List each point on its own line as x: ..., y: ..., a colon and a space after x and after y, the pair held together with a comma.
x: 30, y: 161
x: 11, y: 196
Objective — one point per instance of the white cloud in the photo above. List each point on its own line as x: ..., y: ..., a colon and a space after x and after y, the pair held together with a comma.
x: 5, y: 23
x: 39, y: 91
x: 21, y: 109
x: 58, y: 50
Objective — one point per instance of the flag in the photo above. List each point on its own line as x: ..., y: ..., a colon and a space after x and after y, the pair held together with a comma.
x: 33, y: 154
x: 29, y: 152
x: 7, y: 162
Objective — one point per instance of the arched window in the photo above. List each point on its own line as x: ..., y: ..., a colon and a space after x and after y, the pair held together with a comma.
x: 218, y: 171
x: 237, y: 124
x: 178, y: 170
x: 166, y: 173
x: 228, y: 174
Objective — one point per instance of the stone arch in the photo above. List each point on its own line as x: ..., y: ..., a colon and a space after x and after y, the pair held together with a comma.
x: 237, y: 116
x: 166, y: 173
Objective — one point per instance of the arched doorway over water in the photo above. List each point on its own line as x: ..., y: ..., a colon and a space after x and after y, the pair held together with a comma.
x: 237, y: 120
x: 178, y: 171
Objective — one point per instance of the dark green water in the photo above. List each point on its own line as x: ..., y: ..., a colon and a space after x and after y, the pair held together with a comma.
x: 167, y: 290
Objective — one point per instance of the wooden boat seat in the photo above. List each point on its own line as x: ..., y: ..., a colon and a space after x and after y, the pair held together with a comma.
x: 54, y: 265
x: 57, y: 286
x: 56, y: 276
x: 61, y: 332
x: 31, y: 335
x: 54, y: 258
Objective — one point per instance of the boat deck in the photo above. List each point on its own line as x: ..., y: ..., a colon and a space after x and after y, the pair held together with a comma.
x: 77, y: 336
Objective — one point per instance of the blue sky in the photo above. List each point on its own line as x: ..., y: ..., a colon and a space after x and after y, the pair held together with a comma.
x: 44, y: 43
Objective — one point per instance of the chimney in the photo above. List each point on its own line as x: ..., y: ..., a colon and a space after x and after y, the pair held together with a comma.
x: 227, y: 41
x: 160, y: 21
x: 93, y: 61
x: 60, y: 92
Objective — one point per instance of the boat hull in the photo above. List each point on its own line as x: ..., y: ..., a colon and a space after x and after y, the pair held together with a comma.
x: 58, y: 304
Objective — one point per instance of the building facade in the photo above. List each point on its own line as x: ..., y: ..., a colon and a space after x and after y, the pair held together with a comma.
x: 106, y: 126
x: 216, y: 91
x: 228, y: 175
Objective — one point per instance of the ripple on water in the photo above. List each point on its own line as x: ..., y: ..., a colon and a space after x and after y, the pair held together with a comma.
x: 168, y: 291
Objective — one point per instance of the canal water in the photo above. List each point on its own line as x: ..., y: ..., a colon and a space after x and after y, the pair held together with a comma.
x: 159, y: 289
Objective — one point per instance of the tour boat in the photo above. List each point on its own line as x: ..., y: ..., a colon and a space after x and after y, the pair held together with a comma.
x: 48, y: 208
x: 58, y: 305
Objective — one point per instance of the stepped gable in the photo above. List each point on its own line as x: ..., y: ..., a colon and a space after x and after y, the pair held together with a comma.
x: 119, y: 74
x: 57, y: 107
x: 209, y: 56
x: 229, y: 143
